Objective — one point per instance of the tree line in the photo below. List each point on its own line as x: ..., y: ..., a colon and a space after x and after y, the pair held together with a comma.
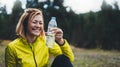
x: 88, y: 30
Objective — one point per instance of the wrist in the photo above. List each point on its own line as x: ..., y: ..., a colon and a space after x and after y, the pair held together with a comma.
x: 60, y: 42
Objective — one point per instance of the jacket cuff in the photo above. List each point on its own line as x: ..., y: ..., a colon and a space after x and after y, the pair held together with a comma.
x: 59, y: 43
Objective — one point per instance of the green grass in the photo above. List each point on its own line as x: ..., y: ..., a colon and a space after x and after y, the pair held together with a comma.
x: 2, y: 54
x: 96, y: 58
x: 83, y: 57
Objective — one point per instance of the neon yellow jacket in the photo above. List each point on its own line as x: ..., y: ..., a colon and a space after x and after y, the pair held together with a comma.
x: 19, y: 53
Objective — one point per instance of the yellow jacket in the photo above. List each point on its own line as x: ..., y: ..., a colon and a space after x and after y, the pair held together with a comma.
x: 19, y: 53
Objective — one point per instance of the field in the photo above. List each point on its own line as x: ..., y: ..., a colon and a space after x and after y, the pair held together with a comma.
x: 83, y: 57
x: 96, y: 58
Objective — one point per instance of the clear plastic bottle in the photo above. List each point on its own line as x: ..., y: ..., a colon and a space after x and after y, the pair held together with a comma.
x: 50, y: 35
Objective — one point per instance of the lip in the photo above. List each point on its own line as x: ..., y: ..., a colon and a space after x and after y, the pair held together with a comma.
x: 36, y: 30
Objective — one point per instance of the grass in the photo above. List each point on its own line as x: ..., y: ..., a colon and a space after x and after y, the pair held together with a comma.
x: 2, y: 52
x: 96, y: 58
x: 83, y: 57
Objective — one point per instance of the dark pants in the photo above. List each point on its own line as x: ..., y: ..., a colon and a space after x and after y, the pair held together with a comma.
x: 61, y: 61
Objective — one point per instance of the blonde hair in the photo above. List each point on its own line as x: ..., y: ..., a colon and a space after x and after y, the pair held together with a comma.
x: 27, y: 16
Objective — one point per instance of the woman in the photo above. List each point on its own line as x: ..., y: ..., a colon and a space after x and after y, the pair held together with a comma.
x: 30, y: 50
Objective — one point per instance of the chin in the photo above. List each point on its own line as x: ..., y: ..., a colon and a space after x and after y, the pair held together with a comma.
x: 37, y: 34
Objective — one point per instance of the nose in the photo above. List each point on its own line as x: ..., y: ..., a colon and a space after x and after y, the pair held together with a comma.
x: 38, y: 24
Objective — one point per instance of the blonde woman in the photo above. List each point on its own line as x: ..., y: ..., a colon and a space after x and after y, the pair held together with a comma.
x: 30, y: 50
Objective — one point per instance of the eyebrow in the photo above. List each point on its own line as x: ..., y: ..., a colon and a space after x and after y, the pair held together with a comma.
x: 37, y: 21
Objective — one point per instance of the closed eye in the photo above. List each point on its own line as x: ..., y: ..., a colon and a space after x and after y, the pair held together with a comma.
x: 37, y: 22
x: 34, y: 22
x: 40, y: 22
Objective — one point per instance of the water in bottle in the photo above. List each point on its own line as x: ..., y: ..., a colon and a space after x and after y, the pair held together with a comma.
x: 50, y: 35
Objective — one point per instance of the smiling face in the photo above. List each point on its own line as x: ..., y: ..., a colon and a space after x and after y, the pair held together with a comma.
x: 35, y: 26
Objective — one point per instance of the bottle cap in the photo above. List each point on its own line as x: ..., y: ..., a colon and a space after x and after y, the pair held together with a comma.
x: 53, y: 18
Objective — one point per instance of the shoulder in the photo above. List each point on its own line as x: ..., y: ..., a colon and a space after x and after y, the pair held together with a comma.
x: 14, y: 42
x: 41, y: 39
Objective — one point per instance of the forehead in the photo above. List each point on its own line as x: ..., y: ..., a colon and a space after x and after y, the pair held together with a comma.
x: 38, y: 18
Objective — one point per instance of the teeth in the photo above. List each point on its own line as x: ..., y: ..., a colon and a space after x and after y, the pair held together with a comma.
x: 36, y: 29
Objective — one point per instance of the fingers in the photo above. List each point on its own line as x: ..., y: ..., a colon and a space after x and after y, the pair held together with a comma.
x: 57, y: 31
x: 58, y: 36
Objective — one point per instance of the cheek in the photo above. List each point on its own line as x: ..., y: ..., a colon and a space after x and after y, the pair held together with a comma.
x: 29, y: 27
x: 41, y: 27
x: 42, y: 30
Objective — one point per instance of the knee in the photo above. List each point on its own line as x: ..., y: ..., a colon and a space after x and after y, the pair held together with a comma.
x: 61, y: 61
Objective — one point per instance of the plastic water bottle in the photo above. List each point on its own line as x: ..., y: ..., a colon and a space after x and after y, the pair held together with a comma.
x: 50, y: 35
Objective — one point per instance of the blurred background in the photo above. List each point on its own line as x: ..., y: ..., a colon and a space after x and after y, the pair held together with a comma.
x: 87, y: 24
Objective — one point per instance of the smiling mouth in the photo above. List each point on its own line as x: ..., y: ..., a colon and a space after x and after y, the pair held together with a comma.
x: 36, y: 30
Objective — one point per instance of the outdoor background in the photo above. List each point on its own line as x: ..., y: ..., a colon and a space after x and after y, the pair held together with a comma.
x: 94, y: 35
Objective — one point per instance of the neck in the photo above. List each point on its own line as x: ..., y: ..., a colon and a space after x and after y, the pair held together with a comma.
x: 31, y: 39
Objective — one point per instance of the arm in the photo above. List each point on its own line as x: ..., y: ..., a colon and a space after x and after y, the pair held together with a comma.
x: 9, y: 57
x: 66, y: 50
x: 62, y: 46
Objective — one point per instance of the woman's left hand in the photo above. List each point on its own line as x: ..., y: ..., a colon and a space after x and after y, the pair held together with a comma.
x: 58, y: 35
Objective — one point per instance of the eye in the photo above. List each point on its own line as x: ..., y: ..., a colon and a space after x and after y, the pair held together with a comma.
x: 34, y: 22
x: 40, y: 22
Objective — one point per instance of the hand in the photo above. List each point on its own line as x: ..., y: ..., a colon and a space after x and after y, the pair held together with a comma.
x: 58, y: 35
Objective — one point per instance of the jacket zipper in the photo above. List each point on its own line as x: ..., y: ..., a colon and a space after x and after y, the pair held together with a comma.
x: 33, y: 55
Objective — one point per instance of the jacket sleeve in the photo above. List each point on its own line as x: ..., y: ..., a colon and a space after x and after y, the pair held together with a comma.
x: 9, y: 57
x: 65, y: 49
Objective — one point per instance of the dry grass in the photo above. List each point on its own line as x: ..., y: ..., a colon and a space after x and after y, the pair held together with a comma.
x: 83, y: 57
x: 96, y: 58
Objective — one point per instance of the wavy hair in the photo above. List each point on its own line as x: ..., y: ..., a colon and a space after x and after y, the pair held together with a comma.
x: 27, y: 16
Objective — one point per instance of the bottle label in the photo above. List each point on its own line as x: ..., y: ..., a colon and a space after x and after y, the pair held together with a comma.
x: 50, y: 40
